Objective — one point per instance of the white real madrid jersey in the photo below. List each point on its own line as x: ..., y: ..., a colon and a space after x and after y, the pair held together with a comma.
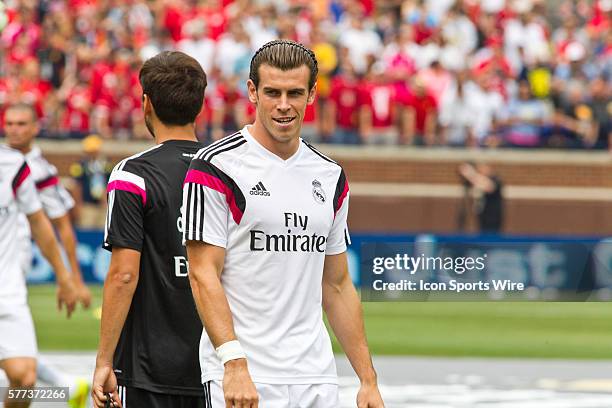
x: 17, y: 196
x: 55, y: 199
x: 277, y: 219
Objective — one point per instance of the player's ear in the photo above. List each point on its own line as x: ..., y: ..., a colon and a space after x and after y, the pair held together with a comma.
x: 36, y: 125
x: 146, y: 104
x: 312, y: 94
x: 252, y: 89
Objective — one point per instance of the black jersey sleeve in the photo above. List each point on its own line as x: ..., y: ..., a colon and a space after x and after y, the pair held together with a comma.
x: 127, y: 198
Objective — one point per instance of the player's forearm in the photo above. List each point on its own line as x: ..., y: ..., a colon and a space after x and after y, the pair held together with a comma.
x: 212, y: 305
x: 43, y: 234
x: 483, y: 183
x: 206, y: 264
x: 343, y: 310
x: 119, y: 289
x: 67, y: 236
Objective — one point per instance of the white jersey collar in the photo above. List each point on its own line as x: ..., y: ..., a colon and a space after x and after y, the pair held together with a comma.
x: 267, y: 153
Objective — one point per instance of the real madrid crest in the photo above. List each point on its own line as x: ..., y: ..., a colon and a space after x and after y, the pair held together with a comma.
x: 317, y: 192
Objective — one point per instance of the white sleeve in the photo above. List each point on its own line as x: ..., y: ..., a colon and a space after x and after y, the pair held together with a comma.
x: 211, y: 200
x: 55, y: 200
x: 25, y: 191
x: 205, y: 215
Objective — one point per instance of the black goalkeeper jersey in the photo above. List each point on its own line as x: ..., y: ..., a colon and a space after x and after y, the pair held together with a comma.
x: 158, y: 347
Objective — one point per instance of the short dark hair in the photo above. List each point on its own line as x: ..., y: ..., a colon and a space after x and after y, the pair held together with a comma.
x: 284, y: 55
x: 175, y: 84
x: 22, y: 106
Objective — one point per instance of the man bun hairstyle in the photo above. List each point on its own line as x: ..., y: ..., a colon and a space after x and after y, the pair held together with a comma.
x: 284, y: 55
x: 175, y: 84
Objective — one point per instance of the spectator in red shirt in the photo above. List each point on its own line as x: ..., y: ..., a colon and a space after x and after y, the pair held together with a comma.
x: 115, y: 93
x: 245, y: 113
x: 493, y: 59
x: 214, y: 17
x: 311, y: 130
x: 174, y: 17
x: 129, y: 113
x: 420, y: 116
x: 226, y: 105
x: 378, y: 111
x: 343, y: 113
x: 35, y: 91
x: 23, y: 27
x: 76, y: 95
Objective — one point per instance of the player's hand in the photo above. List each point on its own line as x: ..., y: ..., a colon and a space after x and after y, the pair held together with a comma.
x: 369, y: 397
x: 83, y: 294
x: 104, y: 386
x: 66, y: 295
x: 238, y: 388
x: 466, y: 170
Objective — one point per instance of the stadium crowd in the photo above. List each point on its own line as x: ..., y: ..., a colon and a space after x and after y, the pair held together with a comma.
x: 523, y: 73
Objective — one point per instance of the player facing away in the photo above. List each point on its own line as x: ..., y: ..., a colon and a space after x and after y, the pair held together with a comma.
x: 18, y: 195
x: 266, y: 234
x: 150, y: 328
x: 21, y: 128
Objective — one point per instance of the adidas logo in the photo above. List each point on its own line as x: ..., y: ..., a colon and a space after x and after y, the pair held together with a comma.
x: 260, y: 190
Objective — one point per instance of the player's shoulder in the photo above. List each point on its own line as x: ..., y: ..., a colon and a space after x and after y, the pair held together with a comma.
x: 221, y: 152
x: 39, y: 163
x: 321, y: 160
x: 136, y: 162
x: 10, y: 156
x: 34, y: 154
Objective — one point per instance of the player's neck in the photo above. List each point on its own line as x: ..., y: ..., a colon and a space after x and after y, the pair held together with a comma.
x: 164, y: 133
x: 284, y: 150
x: 24, y: 149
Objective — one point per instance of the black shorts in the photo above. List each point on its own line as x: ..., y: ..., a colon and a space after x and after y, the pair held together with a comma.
x: 138, y: 398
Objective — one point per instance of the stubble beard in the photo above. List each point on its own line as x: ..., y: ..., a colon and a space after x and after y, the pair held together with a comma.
x: 149, y: 125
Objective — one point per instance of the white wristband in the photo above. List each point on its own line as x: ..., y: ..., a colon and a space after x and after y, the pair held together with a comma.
x: 232, y: 350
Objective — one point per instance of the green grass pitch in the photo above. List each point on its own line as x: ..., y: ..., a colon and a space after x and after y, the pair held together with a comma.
x: 548, y: 330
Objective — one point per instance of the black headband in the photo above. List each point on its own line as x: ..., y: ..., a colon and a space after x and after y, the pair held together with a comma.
x: 285, y: 42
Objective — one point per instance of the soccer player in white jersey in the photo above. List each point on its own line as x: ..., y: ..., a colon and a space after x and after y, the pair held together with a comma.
x: 17, y: 339
x: 21, y: 128
x: 265, y: 229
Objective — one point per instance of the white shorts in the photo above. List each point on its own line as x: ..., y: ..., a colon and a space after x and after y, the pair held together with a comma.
x: 284, y: 396
x: 18, y: 338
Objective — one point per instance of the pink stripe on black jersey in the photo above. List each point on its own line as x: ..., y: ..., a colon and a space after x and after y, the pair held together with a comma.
x: 342, y: 189
x: 128, y: 186
x: 48, y: 182
x: 206, y: 174
x: 22, y: 174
